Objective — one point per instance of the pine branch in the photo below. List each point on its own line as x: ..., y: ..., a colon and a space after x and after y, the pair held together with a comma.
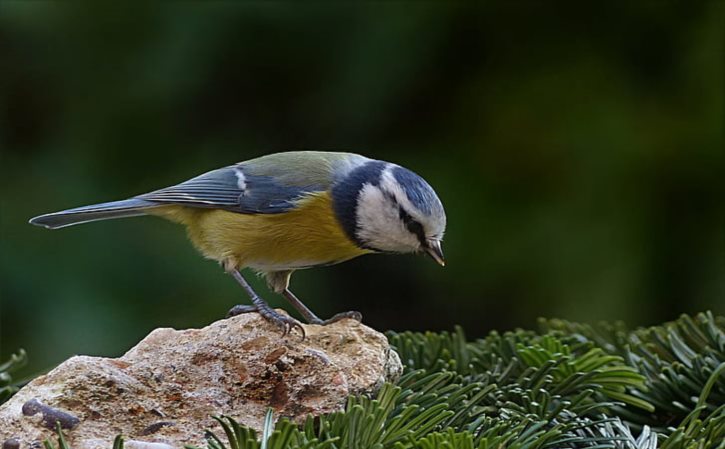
x: 16, y: 361
x: 677, y: 359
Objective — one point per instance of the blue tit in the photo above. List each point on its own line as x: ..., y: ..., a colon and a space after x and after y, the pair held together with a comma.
x: 287, y: 211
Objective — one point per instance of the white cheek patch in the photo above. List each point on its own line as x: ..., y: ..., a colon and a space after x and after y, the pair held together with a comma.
x: 379, y: 223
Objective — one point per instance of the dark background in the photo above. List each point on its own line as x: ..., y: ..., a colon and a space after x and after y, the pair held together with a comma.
x: 578, y: 150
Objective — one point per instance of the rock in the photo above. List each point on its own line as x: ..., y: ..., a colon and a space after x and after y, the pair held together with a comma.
x: 164, y: 391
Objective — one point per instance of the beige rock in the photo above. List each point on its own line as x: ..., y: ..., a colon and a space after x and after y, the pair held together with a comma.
x: 166, y: 389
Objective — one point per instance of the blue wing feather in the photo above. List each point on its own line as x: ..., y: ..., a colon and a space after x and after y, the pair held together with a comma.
x: 222, y: 189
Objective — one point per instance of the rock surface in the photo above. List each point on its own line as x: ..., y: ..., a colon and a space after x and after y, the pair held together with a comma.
x: 166, y: 389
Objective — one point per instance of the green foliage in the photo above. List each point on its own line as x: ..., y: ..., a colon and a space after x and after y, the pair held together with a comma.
x: 7, y: 387
x: 62, y: 443
x: 569, y: 386
x: 529, y: 369
x: 678, y: 359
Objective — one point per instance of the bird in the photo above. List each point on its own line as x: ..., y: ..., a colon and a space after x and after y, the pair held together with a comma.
x: 288, y: 211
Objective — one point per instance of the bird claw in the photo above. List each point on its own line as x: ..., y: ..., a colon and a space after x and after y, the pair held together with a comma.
x: 357, y: 316
x: 285, y: 323
x: 240, y: 309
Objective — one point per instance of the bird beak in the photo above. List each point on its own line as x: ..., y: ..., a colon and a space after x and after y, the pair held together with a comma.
x: 433, y: 248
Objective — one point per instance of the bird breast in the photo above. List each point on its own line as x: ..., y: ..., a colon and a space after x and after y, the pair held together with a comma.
x: 308, y: 235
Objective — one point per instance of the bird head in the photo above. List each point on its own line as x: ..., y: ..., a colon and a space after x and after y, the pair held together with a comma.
x: 387, y: 208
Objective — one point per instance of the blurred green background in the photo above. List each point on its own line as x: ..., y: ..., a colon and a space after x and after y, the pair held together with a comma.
x: 578, y: 151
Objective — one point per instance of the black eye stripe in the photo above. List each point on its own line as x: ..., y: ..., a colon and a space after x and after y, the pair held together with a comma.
x: 412, y: 225
x: 390, y: 196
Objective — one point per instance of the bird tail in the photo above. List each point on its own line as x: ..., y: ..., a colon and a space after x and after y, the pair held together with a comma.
x: 116, y: 209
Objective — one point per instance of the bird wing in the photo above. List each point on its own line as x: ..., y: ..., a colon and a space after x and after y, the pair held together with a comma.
x: 266, y: 185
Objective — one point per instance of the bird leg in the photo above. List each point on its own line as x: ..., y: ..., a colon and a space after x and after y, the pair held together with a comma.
x: 260, y: 306
x: 311, y: 317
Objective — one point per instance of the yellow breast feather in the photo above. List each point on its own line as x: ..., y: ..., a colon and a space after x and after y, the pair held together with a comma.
x: 305, y: 236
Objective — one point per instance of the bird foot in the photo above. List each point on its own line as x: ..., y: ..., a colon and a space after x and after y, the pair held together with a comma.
x: 284, y: 322
x: 240, y: 309
x: 357, y: 316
